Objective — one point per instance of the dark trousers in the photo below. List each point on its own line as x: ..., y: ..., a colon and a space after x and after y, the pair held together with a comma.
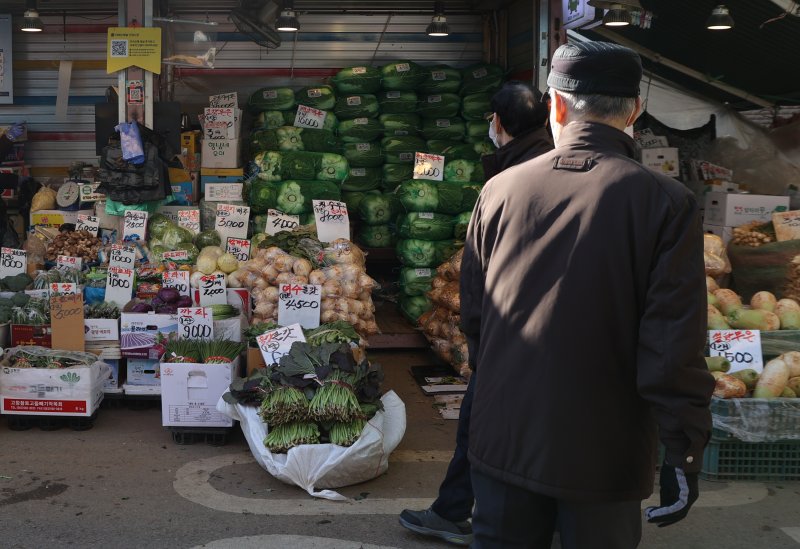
x: 455, y: 493
x: 509, y: 517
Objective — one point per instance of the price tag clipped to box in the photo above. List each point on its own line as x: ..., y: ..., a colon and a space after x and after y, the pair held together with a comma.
x: 239, y: 248
x: 13, y: 262
x: 178, y: 280
x: 332, y: 220
x: 213, y: 290
x: 742, y: 348
x: 69, y: 262
x: 88, y: 223
x: 189, y: 220
x: 276, y: 343
x: 122, y: 256
x: 309, y: 117
x: 232, y: 221
x: 134, y: 225
x: 64, y: 288
x: 66, y: 319
x: 195, y: 323
x: 299, y: 304
x: 428, y: 166
x: 278, y: 221
x: 119, y: 285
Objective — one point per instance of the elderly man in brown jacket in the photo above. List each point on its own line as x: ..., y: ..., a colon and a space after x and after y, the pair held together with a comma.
x: 582, y: 291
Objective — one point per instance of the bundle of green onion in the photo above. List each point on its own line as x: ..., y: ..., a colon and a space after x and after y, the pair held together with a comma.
x: 335, y: 400
x: 283, y: 437
x: 220, y: 351
x: 346, y: 433
x: 284, y: 404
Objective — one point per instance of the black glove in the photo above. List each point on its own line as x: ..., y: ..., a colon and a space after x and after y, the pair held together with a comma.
x: 678, y: 492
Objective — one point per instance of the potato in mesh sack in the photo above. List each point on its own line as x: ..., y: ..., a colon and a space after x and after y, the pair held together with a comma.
x: 447, y: 296
x: 715, y: 256
x: 451, y: 269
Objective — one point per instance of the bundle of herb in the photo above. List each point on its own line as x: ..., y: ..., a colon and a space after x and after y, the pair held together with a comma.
x: 181, y: 350
x: 335, y: 400
x: 283, y: 405
x: 346, y: 433
x: 283, y: 437
x: 219, y: 351
x: 333, y: 332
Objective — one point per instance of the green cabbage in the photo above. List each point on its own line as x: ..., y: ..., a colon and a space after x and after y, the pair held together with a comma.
x: 192, y: 250
x: 357, y: 80
x: 207, y: 238
x: 319, y: 97
x: 268, y: 165
x: 272, y: 99
x: 353, y: 199
x: 476, y: 106
x: 425, y: 225
x: 459, y: 170
x: 416, y: 253
x: 484, y: 147
x: 174, y: 235
x: 394, y: 174
x: 401, y: 75
x: 356, y: 106
x: 419, y: 195
x: 461, y: 222
x: 308, y: 166
x: 414, y: 307
x: 477, y: 129
x: 440, y: 79
x: 363, y: 155
x: 333, y: 167
x: 400, y: 150
x: 157, y: 252
x: 377, y: 236
x: 377, y: 209
x: 481, y: 78
x: 268, y: 120
x: 362, y: 179
x: 157, y: 225
x: 443, y: 128
x: 397, y: 102
x: 360, y: 130
x: 295, y: 197
x: 455, y: 197
x: 440, y: 105
x: 300, y: 165
x: 452, y: 150
x: 400, y: 124
x: 415, y: 281
x: 290, y: 138
x: 263, y: 194
x: 324, y: 141
x: 262, y: 140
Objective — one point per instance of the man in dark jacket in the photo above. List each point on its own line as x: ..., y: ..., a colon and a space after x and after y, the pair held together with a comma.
x: 517, y: 127
x: 582, y: 289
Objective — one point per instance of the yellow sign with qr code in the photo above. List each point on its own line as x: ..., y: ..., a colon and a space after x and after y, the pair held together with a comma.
x: 134, y: 46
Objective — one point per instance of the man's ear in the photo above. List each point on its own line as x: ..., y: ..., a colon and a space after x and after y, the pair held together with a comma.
x: 636, y: 112
x: 559, y: 107
x: 498, y: 124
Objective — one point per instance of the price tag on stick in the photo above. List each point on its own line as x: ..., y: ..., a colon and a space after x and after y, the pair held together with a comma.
x: 299, y: 304
x: 742, y: 348
x: 332, y: 220
x: 122, y: 256
x: 213, y: 290
x: 195, y: 323
x: 13, y: 262
x: 428, y: 166
x: 88, y: 223
x: 232, y: 221
x: 178, y: 280
x: 239, y: 247
x: 276, y: 343
x: 119, y: 285
x: 134, y: 225
x: 278, y: 221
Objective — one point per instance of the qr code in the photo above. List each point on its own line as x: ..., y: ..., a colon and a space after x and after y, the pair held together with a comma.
x: 119, y: 48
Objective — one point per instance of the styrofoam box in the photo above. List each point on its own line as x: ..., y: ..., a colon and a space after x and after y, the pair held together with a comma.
x: 53, y: 392
x: 732, y: 210
x: 725, y: 233
x: 662, y: 159
x: 190, y: 392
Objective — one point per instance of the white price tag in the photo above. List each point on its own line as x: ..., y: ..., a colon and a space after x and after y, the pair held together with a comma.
x: 213, y: 290
x: 428, y: 166
x: 69, y: 262
x: 135, y: 225
x: 278, y: 221
x: 309, y: 117
x: 239, y: 247
x: 438, y: 75
x: 423, y: 272
x: 122, y: 256
x: 276, y: 343
x: 190, y: 220
x: 232, y: 221
x: 426, y: 215
x: 88, y: 223
x: 178, y: 280
x: 89, y: 192
x: 353, y: 101
x: 742, y: 348
x: 223, y: 192
x: 219, y: 123
x: 176, y: 255
x: 228, y: 100
x: 299, y: 304
x: 64, y: 288
x: 13, y: 262
x: 332, y: 220
x: 119, y: 285
x: 195, y: 323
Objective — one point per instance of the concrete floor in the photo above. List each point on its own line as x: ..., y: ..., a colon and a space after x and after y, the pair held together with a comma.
x: 125, y: 483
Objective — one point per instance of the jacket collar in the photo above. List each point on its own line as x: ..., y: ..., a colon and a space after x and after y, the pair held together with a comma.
x: 525, y: 146
x: 595, y: 136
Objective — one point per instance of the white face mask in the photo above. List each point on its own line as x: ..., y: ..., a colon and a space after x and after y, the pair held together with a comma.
x: 493, y: 133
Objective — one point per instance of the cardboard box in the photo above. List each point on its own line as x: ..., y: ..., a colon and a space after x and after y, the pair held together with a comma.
x: 142, y: 334
x: 662, y: 159
x: 238, y: 297
x: 190, y: 142
x: 220, y: 175
x: 143, y: 372
x: 101, y: 329
x: 725, y: 233
x: 190, y: 392
x: 56, y: 218
x: 220, y: 153
x: 255, y: 360
x: 29, y: 334
x: 732, y: 210
x: 51, y: 392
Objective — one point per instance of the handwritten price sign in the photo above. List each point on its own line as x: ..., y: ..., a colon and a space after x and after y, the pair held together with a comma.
x: 308, y: 117
x: 332, y: 220
x: 119, y: 285
x: 228, y: 100
x: 213, y: 290
x: 122, y: 256
x: 742, y: 348
x: 178, y: 280
x: 88, y: 223
x: 13, y: 262
x: 135, y: 225
x: 176, y: 255
x: 189, y: 220
x: 428, y: 166
x: 232, y: 221
x: 299, y: 304
x: 64, y: 288
x: 278, y: 221
x: 238, y: 247
x: 223, y: 192
x: 69, y: 262
x: 276, y: 343
x: 195, y: 323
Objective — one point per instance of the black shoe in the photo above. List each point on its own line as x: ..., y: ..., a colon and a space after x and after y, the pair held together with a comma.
x: 428, y: 523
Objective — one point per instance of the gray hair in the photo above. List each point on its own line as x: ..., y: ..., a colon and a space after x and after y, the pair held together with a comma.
x: 591, y: 107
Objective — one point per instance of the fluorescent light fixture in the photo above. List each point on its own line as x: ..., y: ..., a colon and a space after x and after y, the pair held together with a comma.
x: 720, y: 19
x: 185, y: 21
x: 31, y: 22
x: 438, y: 25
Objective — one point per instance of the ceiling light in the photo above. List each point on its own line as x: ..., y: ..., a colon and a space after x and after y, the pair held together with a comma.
x: 287, y: 21
x: 438, y: 25
x: 617, y: 16
x: 31, y: 22
x: 720, y: 19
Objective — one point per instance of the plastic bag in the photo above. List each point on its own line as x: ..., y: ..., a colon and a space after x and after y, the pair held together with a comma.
x: 44, y: 199
x: 131, y: 141
x: 758, y: 419
x: 325, y: 466
x: 716, y: 259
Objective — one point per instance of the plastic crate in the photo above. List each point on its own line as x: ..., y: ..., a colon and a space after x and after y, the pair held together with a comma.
x: 756, y: 419
x: 735, y: 460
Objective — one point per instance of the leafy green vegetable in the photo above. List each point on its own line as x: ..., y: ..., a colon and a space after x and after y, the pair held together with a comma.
x: 443, y: 128
x: 289, y: 138
x: 377, y: 209
x: 400, y: 124
x: 426, y: 226
x: 363, y: 155
x: 268, y: 120
x: 397, y: 102
x: 401, y: 75
x: 318, y: 97
x: 394, y: 174
x: 262, y: 196
x: 174, y: 235
x: 272, y: 99
x: 414, y: 307
x: 362, y: 179
x: 353, y: 199
x: 461, y: 222
x: 360, y: 130
x: 295, y: 197
x: 440, y: 79
x: 418, y: 195
x: 483, y: 147
x: 357, y: 80
x: 356, y: 106
x: 333, y: 167
x: 268, y: 165
x: 416, y: 281
x: 157, y: 224
x: 377, y: 236
x: 418, y: 253
x: 476, y: 106
x: 209, y: 237
x: 275, y: 166
x: 439, y: 105
x: 481, y: 78
x: 477, y: 130
x: 401, y: 150
x: 452, y: 150
x: 456, y: 197
x: 284, y: 437
x: 332, y: 332
x: 459, y: 170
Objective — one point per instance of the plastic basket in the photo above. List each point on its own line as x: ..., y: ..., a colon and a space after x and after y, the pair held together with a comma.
x: 735, y: 460
x: 756, y: 419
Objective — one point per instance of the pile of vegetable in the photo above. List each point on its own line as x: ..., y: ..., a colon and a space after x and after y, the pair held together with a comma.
x: 15, y: 283
x: 779, y: 379
x: 41, y: 357
x: 166, y: 236
x: 74, y: 244
x: 215, y: 351
x: 35, y: 312
x: 765, y: 312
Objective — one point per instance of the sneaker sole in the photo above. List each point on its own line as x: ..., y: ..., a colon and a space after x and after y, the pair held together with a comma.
x: 456, y: 539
